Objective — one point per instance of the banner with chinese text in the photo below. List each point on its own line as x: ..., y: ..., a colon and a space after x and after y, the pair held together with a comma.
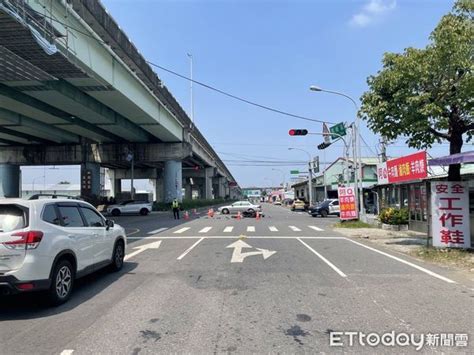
x: 347, y: 203
x: 407, y: 168
x: 450, y: 214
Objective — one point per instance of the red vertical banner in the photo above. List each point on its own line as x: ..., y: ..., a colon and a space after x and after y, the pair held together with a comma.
x: 347, y: 203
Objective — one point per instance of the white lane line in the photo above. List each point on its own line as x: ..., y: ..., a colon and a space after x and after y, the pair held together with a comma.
x: 205, y: 230
x: 157, y: 230
x: 431, y: 273
x: 250, y: 229
x: 228, y: 229
x: 331, y: 265
x: 236, y: 237
x: 142, y: 248
x: 316, y: 228
x: 67, y: 352
x: 189, y: 249
x: 295, y: 229
x: 179, y: 231
x: 273, y: 229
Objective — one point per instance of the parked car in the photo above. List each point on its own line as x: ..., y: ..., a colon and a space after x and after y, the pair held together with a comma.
x: 299, y: 205
x: 277, y: 203
x: 47, y: 244
x: 240, y: 206
x: 325, y: 208
x: 130, y: 207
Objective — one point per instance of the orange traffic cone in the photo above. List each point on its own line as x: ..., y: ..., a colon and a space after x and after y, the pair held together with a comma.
x: 210, y: 213
x: 239, y: 216
x: 186, y: 215
x: 257, y: 216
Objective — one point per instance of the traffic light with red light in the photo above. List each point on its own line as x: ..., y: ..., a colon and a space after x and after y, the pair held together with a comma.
x: 298, y: 132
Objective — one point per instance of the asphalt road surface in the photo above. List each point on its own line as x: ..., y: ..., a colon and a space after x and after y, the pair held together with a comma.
x: 221, y: 285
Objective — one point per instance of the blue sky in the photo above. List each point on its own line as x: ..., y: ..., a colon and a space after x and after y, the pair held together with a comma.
x: 271, y: 52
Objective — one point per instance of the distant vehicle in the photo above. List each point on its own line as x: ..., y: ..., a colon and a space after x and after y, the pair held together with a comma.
x: 130, y: 207
x: 325, y: 208
x: 47, y: 244
x: 277, y: 203
x: 299, y: 205
x: 240, y: 206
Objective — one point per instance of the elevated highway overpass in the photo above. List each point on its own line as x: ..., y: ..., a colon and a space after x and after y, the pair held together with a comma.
x: 75, y: 90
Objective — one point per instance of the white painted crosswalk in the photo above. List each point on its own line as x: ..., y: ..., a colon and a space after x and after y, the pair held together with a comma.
x: 240, y: 229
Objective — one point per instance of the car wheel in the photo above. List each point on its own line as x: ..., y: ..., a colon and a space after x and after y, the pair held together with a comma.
x: 62, y: 282
x: 118, y: 256
x: 144, y: 211
x: 225, y: 211
x: 324, y: 213
x: 116, y: 212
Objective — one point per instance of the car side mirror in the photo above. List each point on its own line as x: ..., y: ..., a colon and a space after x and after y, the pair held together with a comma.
x: 109, y: 224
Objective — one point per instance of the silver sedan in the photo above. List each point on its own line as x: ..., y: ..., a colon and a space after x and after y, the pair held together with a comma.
x: 240, y: 206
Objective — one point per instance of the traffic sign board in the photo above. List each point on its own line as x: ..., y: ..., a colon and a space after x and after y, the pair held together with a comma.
x: 339, y: 130
x: 294, y: 171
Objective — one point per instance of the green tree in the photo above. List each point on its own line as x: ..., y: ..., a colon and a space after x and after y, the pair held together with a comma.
x: 427, y: 95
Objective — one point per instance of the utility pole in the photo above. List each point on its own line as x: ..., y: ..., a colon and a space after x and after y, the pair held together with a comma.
x: 383, y: 148
x: 191, y: 87
x: 310, y: 183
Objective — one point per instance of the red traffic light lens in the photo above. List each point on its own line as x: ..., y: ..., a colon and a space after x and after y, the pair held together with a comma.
x: 291, y: 132
x: 298, y: 132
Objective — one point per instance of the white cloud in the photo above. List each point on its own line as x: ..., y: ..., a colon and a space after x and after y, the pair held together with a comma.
x: 372, y: 11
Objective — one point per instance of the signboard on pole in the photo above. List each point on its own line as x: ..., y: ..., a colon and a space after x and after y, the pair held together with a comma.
x: 410, y: 167
x: 450, y: 221
x: 339, y: 130
x: 293, y: 172
x: 326, y: 134
x: 347, y: 203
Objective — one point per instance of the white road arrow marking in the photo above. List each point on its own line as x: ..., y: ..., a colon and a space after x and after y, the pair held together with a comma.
x: 142, y: 248
x: 238, y: 256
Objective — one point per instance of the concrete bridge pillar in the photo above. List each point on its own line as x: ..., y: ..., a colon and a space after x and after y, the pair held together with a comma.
x: 221, y: 187
x: 117, y: 186
x: 173, y: 180
x: 90, y: 180
x: 9, y: 180
x: 188, y: 191
x: 207, y: 190
x: 157, y: 189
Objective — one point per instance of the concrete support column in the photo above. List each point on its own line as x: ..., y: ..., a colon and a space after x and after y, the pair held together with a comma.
x: 117, y: 186
x: 9, y: 180
x: 173, y: 179
x: 90, y: 180
x: 221, y: 187
x: 208, y: 174
x: 188, y: 191
x: 157, y: 189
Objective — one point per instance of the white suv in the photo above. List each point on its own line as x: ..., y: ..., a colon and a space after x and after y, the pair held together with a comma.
x: 130, y: 206
x: 47, y: 244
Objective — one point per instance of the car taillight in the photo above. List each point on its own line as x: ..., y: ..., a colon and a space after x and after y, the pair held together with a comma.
x: 27, y: 240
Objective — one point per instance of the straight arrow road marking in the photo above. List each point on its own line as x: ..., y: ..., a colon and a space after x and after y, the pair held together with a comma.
x: 431, y: 273
x: 228, y: 229
x: 179, y: 231
x: 295, y: 229
x: 316, y: 228
x: 250, y: 229
x: 238, y: 256
x: 205, y: 230
x: 331, y: 265
x: 142, y: 248
x: 189, y: 249
x: 273, y: 229
x: 157, y: 231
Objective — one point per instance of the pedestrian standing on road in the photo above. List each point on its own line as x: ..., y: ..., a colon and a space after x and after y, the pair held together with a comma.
x: 175, y: 206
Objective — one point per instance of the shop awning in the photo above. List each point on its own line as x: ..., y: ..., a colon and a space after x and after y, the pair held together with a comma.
x: 460, y: 158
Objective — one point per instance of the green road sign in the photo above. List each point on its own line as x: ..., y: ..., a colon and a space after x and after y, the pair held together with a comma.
x: 294, y: 171
x: 339, y: 130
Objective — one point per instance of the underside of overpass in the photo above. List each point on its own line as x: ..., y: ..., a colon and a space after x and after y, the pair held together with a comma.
x: 75, y: 90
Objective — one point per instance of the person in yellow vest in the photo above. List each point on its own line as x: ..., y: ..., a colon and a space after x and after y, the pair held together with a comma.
x: 175, y: 206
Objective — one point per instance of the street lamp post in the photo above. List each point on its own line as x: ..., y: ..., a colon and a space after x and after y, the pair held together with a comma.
x: 356, y: 148
x: 191, y: 87
x: 310, y: 171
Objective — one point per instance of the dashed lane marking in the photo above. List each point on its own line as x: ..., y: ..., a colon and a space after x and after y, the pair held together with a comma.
x: 157, y: 231
x: 205, y: 230
x: 250, y: 229
x: 179, y: 231
x: 228, y: 229
x: 294, y: 229
x: 316, y: 228
x: 273, y: 229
